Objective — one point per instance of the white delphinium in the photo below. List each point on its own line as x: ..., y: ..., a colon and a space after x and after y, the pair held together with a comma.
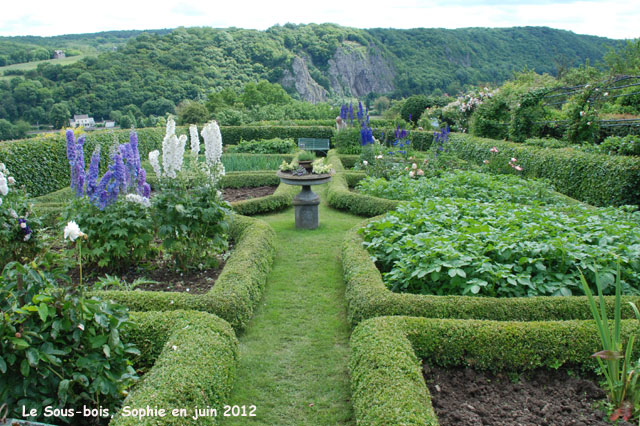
x: 195, y: 140
x: 138, y: 199
x: 212, y: 143
x: 155, y: 163
x: 172, y: 150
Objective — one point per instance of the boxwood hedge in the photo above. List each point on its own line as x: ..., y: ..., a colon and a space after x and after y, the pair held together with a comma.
x: 237, y: 290
x: 189, y: 360
x: 386, y: 380
x: 368, y: 297
x: 340, y: 197
x: 597, y: 179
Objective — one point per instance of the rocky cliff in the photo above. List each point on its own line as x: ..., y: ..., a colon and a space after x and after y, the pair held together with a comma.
x: 354, y: 70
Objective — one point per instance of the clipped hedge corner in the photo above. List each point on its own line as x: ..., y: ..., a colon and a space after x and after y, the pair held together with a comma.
x: 386, y: 380
x: 339, y: 196
x: 192, y: 358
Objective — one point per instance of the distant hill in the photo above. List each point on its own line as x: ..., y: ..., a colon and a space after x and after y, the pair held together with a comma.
x: 153, y: 71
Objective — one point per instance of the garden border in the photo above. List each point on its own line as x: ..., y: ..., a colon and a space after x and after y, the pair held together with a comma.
x: 340, y: 197
x: 368, y: 297
x: 597, y: 179
x: 194, y: 358
x: 237, y: 290
x: 386, y: 376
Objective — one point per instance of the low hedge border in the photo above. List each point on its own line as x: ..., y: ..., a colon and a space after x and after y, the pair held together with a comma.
x: 339, y: 196
x: 280, y: 199
x: 386, y: 376
x: 192, y: 358
x: 349, y: 160
x: 237, y: 290
x: 353, y: 178
x: 597, y: 179
x: 368, y: 297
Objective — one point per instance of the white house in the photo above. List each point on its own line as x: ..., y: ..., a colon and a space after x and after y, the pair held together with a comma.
x: 58, y: 54
x: 108, y: 124
x: 82, y: 120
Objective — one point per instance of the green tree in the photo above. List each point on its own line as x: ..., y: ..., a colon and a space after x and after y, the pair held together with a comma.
x: 191, y: 112
x: 413, y: 107
x: 59, y: 115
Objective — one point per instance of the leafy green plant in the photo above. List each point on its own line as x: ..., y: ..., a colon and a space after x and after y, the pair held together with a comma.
x: 59, y: 347
x: 118, y: 236
x: 447, y: 246
x: 191, y: 222
x: 627, y: 145
x: 470, y: 185
x: 615, y: 363
x: 112, y: 282
x: 306, y: 156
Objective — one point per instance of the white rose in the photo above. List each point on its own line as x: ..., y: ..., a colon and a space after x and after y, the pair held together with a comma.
x: 72, y: 231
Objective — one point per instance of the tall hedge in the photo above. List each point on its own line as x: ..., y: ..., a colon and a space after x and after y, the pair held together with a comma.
x: 597, y: 179
x: 232, y: 135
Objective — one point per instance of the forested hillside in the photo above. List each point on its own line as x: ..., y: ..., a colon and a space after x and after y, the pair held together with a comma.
x: 152, y: 72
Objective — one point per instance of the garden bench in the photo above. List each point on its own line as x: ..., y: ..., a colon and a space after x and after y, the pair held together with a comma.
x: 314, y: 144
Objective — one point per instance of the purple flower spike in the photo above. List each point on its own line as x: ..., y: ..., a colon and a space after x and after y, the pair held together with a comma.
x: 146, y: 190
x: 142, y: 180
x: 78, y: 174
x: 71, y: 147
x: 120, y: 173
x: 94, y: 170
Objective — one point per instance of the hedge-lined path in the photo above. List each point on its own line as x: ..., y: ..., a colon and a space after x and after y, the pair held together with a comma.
x: 294, y: 354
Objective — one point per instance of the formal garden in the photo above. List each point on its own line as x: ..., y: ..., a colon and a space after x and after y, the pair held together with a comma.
x: 169, y: 276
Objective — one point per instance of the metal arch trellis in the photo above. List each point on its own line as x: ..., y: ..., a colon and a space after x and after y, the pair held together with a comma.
x: 601, y: 91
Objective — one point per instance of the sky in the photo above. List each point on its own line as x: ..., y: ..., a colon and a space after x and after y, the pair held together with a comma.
x: 46, y: 17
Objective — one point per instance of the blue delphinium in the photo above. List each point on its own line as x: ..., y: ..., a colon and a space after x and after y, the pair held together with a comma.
x: 343, y: 112
x: 94, y: 170
x: 366, y: 135
x: 71, y: 154
x: 441, y: 138
x: 78, y: 166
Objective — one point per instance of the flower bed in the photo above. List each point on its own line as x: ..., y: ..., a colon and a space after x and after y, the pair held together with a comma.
x: 387, y: 384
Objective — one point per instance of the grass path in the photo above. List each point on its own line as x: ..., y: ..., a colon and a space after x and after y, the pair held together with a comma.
x: 294, y: 353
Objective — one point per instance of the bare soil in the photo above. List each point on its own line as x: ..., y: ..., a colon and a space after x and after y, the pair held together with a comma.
x: 465, y: 397
x: 239, y: 194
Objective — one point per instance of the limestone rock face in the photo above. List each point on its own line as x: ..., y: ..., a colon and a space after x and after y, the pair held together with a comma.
x: 304, y: 84
x: 358, y: 70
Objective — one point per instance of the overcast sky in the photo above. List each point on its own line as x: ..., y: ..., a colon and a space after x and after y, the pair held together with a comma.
x: 618, y: 19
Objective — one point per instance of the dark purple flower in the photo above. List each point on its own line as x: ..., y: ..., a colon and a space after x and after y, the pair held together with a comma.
x: 135, y: 153
x: 71, y: 147
x: 78, y: 182
x: 100, y: 196
x: 120, y: 173
x: 94, y: 170
x: 146, y: 190
x: 409, y: 116
x: 142, y: 180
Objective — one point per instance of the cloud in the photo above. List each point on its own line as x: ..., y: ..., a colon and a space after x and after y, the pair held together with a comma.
x: 615, y: 20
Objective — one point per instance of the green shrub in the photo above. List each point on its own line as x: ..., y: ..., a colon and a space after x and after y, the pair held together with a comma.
x: 265, y: 146
x: 238, y: 289
x: 368, y: 297
x: 249, y: 179
x: 119, y: 236
x: 628, y: 145
x: 452, y: 246
x: 491, y: 118
x: 348, y: 141
x: 232, y: 135
x: 59, y: 347
x: 527, y: 117
x: 600, y: 180
x: 547, y: 143
x: 189, y: 359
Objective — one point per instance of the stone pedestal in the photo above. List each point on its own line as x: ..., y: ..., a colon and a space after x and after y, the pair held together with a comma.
x: 306, y: 206
x: 306, y: 202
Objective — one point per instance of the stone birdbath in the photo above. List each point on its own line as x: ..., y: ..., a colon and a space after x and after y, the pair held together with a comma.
x: 306, y: 202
